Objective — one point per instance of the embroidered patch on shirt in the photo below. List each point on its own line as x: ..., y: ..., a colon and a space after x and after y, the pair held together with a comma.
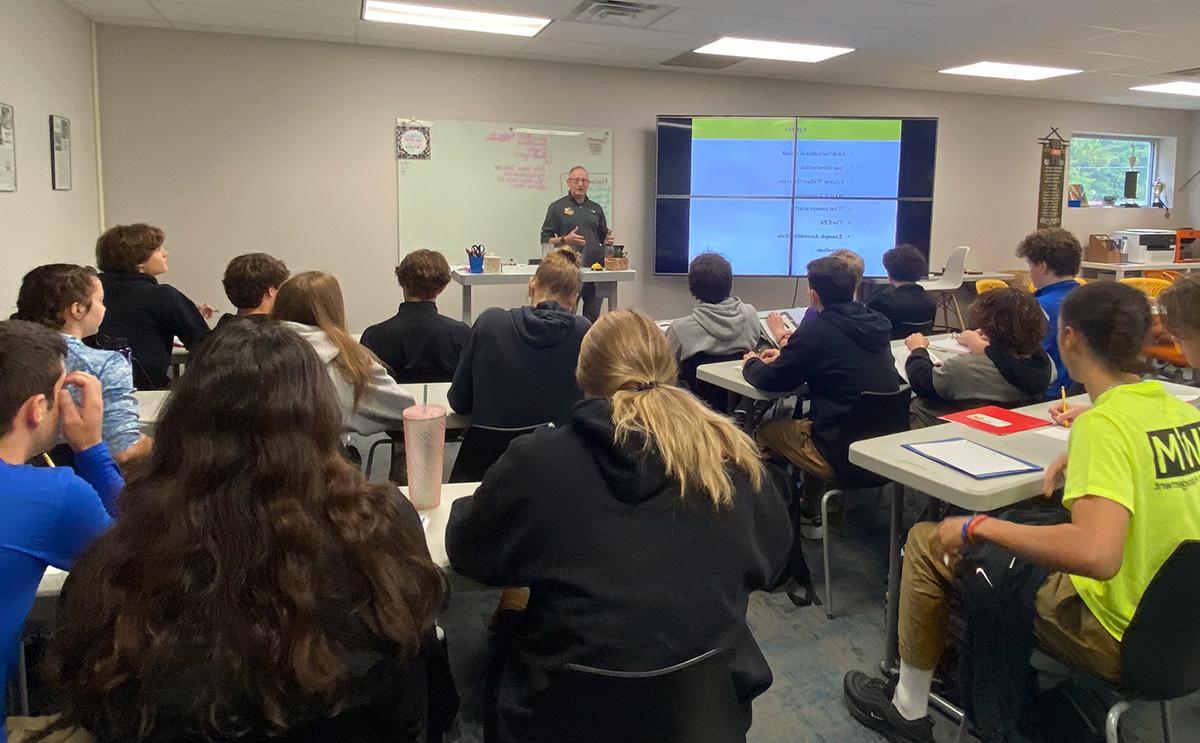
x: 569, y: 211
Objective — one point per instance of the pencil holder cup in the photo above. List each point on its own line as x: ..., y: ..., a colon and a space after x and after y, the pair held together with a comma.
x: 424, y: 444
x: 475, y: 263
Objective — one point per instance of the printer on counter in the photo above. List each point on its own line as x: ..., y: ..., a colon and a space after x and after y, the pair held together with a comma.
x: 1146, y: 245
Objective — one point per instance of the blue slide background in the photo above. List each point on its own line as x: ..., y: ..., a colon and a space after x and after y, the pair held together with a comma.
x: 868, y: 227
x: 751, y: 233
x: 744, y: 167
x: 868, y: 169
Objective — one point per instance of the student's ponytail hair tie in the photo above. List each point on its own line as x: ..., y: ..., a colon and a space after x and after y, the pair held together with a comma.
x: 643, y: 386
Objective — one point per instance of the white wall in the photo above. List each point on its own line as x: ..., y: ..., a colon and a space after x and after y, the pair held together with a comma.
x: 46, y: 69
x: 236, y: 143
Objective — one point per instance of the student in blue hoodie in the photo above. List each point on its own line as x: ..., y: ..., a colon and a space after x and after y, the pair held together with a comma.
x: 1053, y: 256
x: 720, y: 324
x: 518, y: 366
x: 843, y: 351
x: 50, y: 514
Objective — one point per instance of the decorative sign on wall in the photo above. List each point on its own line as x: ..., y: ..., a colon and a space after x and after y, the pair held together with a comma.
x: 413, y: 140
x: 8, y: 149
x: 60, y: 153
x: 1053, y: 176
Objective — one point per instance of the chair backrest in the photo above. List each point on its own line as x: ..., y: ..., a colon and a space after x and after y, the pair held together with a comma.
x: 987, y: 285
x: 1150, y: 287
x: 1165, y: 275
x: 1160, y: 652
x: 481, y: 447
x: 710, y: 394
x: 956, y: 264
x: 693, y: 702
x: 873, y: 414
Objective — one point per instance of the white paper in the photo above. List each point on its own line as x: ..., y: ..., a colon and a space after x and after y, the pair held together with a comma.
x: 972, y: 458
x: 1058, y: 433
x: 950, y: 345
x: 1190, y: 399
x: 789, y: 325
x: 900, y: 353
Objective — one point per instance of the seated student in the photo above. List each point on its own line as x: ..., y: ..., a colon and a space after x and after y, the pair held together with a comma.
x: 1121, y: 528
x: 720, y: 324
x: 295, y: 601
x: 852, y: 259
x: 142, y: 312
x: 70, y: 299
x: 641, y: 526
x: 418, y: 344
x: 518, y: 367
x: 1006, y: 365
x: 904, y: 302
x: 310, y: 303
x: 51, y: 515
x: 843, y: 351
x: 1053, y: 256
x: 251, y: 282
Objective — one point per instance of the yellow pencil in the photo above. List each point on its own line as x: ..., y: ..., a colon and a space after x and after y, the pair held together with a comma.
x: 1063, y: 390
x: 49, y: 461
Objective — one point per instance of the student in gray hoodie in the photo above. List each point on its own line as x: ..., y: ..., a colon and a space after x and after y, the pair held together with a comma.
x: 720, y: 324
x: 1006, y: 365
x: 310, y: 304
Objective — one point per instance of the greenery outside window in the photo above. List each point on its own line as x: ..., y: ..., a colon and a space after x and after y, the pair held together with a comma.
x: 1099, y: 162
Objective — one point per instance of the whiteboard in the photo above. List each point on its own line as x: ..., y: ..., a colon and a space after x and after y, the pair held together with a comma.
x: 490, y: 183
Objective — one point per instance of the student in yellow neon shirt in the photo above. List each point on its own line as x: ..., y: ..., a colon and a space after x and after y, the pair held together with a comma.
x: 1133, y: 489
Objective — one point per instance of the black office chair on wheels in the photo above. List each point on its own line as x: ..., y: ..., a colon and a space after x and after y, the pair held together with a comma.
x: 692, y: 702
x: 481, y: 447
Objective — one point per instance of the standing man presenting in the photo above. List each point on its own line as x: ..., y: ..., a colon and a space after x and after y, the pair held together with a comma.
x: 577, y: 222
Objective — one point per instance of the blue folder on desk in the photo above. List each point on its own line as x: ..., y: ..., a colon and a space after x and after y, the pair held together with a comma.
x: 971, y: 458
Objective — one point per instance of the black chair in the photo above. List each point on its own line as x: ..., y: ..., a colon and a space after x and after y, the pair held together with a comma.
x: 710, y: 394
x: 874, y: 414
x: 906, y: 329
x: 693, y: 702
x: 481, y: 447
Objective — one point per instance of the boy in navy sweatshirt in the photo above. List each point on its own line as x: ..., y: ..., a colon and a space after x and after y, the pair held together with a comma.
x: 50, y: 514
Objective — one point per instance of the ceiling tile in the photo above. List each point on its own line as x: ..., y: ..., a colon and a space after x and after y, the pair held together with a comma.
x: 751, y: 7
x: 439, y: 39
x: 782, y: 29
x: 890, y: 14
x: 269, y: 23
x: 332, y: 8
x: 596, y: 52
x: 596, y: 33
x: 706, y: 22
x: 116, y: 9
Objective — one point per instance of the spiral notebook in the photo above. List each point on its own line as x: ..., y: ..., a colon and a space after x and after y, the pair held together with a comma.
x: 970, y: 458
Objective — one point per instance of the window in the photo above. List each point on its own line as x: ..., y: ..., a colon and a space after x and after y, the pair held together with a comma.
x: 1099, y: 162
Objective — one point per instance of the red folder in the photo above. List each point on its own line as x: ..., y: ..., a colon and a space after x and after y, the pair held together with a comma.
x: 996, y: 420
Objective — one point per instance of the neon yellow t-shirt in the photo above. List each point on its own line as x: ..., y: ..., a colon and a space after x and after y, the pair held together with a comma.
x: 1140, y: 447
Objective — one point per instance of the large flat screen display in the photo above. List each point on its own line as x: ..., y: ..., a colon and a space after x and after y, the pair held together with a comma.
x: 772, y: 194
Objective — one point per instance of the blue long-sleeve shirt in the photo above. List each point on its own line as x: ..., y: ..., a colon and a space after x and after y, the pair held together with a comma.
x: 1051, y: 297
x: 50, y: 516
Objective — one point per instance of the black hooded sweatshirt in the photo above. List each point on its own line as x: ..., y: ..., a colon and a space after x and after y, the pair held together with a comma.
x: 843, y: 351
x: 518, y: 367
x: 623, y: 573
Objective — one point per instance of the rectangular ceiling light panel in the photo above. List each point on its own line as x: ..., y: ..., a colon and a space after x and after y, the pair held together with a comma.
x: 1176, y: 88
x: 778, y: 50
x: 458, y: 20
x: 1010, y: 71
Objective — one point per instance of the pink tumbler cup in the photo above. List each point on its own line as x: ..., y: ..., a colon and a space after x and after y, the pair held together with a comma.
x: 424, y: 445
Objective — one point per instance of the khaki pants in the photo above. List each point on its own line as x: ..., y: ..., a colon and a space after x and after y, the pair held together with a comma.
x: 24, y: 728
x: 792, y: 440
x: 1063, y: 625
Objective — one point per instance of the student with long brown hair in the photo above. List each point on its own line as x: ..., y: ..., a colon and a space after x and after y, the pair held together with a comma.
x: 256, y: 587
x: 310, y: 304
x: 518, y: 366
x: 640, y: 527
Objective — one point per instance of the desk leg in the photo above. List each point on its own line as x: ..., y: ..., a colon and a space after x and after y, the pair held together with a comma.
x: 891, y: 660
x: 466, y: 304
x: 1120, y: 274
x: 612, y: 296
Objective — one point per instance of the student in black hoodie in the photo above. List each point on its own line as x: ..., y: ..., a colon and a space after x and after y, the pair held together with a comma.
x: 633, y: 564
x: 1006, y: 365
x: 904, y: 303
x: 518, y: 366
x: 843, y: 351
x: 142, y: 312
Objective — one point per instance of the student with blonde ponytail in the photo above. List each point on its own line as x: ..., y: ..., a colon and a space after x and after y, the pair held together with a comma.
x: 640, y: 526
x: 310, y: 304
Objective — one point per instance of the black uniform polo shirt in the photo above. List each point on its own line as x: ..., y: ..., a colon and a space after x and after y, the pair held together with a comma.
x: 566, y: 214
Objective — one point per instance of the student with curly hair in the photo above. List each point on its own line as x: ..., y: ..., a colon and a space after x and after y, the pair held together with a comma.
x: 256, y: 587
x: 1054, y: 257
x: 904, y: 302
x: 251, y: 282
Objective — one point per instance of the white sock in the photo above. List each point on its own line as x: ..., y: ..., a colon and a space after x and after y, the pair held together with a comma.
x: 912, y: 692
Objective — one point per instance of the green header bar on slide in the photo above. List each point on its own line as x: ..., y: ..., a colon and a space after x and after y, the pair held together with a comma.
x: 743, y: 128
x: 882, y: 130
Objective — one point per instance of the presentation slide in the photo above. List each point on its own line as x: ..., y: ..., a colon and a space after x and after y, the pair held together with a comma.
x: 772, y: 194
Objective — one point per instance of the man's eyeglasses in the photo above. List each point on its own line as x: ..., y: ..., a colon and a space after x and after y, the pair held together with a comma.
x: 578, y: 180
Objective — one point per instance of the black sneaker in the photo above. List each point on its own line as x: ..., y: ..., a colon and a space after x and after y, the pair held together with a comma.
x: 870, y: 704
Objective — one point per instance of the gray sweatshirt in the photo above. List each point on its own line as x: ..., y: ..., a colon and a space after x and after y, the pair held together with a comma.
x: 382, y: 403
x: 972, y: 376
x: 727, y: 327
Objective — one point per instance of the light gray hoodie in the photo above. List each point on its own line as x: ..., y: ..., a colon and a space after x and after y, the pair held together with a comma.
x: 382, y: 403
x: 727, y: 327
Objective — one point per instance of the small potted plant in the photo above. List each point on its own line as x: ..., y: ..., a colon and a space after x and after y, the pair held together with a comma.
x: 618, y: 261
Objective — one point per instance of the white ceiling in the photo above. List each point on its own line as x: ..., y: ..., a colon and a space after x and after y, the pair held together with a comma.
x: 900, y: 43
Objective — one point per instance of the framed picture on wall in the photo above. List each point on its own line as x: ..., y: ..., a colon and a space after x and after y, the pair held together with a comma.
x: 8, y: 149
x: 60, y: 153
